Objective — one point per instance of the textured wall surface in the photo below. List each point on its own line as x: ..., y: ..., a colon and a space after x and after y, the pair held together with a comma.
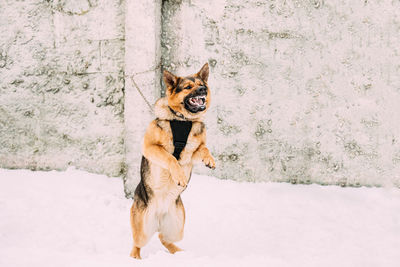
x: 142, y: 68
x: 303, y: 91
x: 62, y: 84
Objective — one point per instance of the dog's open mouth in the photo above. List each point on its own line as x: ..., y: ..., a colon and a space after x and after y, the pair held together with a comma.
x: 195, y: 103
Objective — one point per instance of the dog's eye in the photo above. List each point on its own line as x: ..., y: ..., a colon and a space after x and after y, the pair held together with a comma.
x: 188, y: 87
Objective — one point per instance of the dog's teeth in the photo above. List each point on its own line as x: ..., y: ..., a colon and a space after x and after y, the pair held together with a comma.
x: 197, y: 100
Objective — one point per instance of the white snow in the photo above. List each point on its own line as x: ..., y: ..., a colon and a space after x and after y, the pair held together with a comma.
x: 75, y: 218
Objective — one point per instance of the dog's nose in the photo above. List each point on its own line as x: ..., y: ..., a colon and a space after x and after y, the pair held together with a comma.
x: 202, y: 90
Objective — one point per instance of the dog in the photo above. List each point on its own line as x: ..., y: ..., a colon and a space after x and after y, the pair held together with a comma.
x: 167, y: 162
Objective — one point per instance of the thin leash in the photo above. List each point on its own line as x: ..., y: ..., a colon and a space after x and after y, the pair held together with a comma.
x: 138, y: 89
x: 141, y: 93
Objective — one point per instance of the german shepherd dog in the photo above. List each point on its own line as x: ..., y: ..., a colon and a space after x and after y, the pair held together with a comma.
x: 157, y: 205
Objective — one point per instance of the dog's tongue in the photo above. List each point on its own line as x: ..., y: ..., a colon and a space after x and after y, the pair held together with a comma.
x: 196, y: 101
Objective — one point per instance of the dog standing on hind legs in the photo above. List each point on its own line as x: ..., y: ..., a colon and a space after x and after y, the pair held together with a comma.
x: 172, y: 143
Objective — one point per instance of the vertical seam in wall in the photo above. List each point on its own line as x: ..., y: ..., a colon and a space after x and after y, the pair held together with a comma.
x: 124, y: 159
x: 161, y: 93
x: 158, y: 54
x: 155, y: 45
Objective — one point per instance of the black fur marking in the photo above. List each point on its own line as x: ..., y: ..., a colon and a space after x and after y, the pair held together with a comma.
x: 201, y: 130
x: 191, y: 79
x: 158, y: 123
x: 178, y: 200
x: 178, y: 81
x: 178, y: 88
x: 143, y: 192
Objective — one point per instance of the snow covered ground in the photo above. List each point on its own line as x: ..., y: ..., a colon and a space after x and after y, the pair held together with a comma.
x: 75, y: 218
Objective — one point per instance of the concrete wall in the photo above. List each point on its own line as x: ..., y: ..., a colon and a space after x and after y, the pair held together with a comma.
x: 62, y: 84
x: 303, y: 91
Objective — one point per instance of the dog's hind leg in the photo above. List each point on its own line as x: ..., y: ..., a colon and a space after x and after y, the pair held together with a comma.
x: 172, y: 248
x: 171, y: 226
x: 141, y: 231
x: 135, y: 253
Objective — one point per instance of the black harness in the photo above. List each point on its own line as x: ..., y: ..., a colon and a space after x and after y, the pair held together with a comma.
x: 180, y: 132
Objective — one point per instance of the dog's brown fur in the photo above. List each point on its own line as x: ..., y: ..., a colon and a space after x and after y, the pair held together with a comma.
x: 157, y: 203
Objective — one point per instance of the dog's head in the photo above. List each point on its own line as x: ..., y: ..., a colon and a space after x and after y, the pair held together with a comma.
x: 189, y: 95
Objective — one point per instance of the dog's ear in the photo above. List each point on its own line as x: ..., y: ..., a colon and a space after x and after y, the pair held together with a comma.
x: 203, y: 73
x: 170, y: 79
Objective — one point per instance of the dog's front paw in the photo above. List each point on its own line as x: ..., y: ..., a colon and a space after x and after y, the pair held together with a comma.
x: 179, y: 177
x: 181, y: 180
x: 209, y: 161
